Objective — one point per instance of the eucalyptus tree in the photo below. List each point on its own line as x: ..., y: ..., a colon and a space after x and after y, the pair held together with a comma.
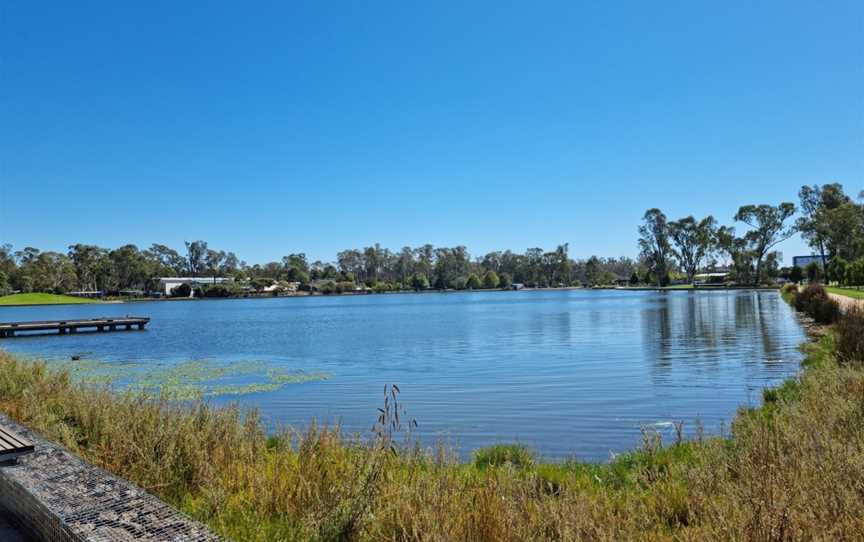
x: 768, y: 223
x: 166, y: 260
x: 693, y: 240
x: 196, y: 251
x: 654, y: 244
x: 85, y: 259
x: 737, y: 249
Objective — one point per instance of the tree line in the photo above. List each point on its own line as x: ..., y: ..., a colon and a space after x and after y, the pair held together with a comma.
x: 127, y: 268
x: 829, y: 221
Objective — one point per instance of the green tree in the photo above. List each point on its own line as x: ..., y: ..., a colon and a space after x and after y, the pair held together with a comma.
x: 419, y: 281
x: 296, y: 268
x: 855, y: 273
x: 654, y: 244
x: 491, y: 280
x: 592, y: 271
x: 796, y: 275
x: 836, y: 270
x: 196, y: 251
x: 473, y: 282
x: 737, y: 250
x: 814, y: 272
x: 692, y: 242
x: 506, y: 280
x: 634, y: 279
x: 86, y: 259
x: 768, y: 229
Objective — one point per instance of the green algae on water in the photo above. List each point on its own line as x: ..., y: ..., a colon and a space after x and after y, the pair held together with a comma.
x: 186, y: 380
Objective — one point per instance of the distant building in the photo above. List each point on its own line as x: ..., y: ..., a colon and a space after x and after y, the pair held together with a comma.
x: 166, y: 284
x: 717, y: 277
x: 804, y: 261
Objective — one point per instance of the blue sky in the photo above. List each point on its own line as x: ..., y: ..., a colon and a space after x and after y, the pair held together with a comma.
x: 286, y: 127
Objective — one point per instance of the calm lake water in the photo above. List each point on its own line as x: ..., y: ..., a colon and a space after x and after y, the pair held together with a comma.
x: 570, y: 373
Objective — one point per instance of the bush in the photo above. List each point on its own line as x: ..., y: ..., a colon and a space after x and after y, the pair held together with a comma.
x: 182, y: 290
x: 473, y: 282
x: 849, y: 332
x: 491, y: 280
x: 216, y: 290
x: 505, y: 281
x: 345, y: 286
x: 814, y: 301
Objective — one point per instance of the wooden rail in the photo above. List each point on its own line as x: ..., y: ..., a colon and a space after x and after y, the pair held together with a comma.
x: 12, y: 446
x: 9, y: 329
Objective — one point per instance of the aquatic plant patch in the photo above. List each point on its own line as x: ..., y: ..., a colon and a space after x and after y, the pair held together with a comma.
x: 185, y: 380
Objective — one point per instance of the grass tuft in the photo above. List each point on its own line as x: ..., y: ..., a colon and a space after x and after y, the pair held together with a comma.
x: 497, y: 455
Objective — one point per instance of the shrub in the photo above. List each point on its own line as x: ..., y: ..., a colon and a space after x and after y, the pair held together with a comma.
x: 814, y: 301
x: 473, y: 282
x: 181, y: 290
x: 849, y: 332
x: 505, y: 281
x: 216, y: 290
x: 491, y: 280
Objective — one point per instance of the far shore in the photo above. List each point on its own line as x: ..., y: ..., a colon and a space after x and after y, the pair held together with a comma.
x: 38, y: 299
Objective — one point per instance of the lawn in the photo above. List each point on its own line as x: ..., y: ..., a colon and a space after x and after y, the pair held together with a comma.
x: 848, y: 292
x: 39, y: 298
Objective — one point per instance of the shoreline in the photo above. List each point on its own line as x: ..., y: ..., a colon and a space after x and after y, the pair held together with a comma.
x: 403, y: 292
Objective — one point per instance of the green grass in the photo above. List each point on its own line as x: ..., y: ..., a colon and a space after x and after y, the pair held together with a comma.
x: 848, y: 292
x: 38, y: 298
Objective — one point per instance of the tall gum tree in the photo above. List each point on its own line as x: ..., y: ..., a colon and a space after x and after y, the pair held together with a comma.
x: 693, y: 240
x: 654, y: 243
x: 768, y: 229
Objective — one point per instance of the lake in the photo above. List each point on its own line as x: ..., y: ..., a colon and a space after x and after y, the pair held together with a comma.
x: 568, y: 372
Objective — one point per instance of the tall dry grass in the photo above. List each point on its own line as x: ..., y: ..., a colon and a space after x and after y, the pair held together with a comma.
x: 790, y: 470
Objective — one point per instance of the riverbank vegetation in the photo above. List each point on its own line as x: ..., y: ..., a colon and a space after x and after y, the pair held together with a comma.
x: 791, y: 469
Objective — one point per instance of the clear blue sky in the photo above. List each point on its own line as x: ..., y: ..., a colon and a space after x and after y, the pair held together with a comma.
x: 284, y: 126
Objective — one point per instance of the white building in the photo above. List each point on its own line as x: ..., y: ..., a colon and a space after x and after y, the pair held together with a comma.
x: 166, y: 284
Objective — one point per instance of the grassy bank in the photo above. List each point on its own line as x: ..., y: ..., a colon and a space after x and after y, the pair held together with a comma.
x: 792, y: 469
x: 38, y: 298
x: 848, y: 292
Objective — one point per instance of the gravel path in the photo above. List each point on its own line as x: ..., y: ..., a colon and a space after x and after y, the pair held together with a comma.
x: 846, y: 302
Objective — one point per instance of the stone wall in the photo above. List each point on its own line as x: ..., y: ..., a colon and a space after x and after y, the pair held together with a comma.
x: 59, y: 497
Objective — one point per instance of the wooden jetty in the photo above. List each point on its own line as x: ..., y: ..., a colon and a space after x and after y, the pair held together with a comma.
x: 9, y: 329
